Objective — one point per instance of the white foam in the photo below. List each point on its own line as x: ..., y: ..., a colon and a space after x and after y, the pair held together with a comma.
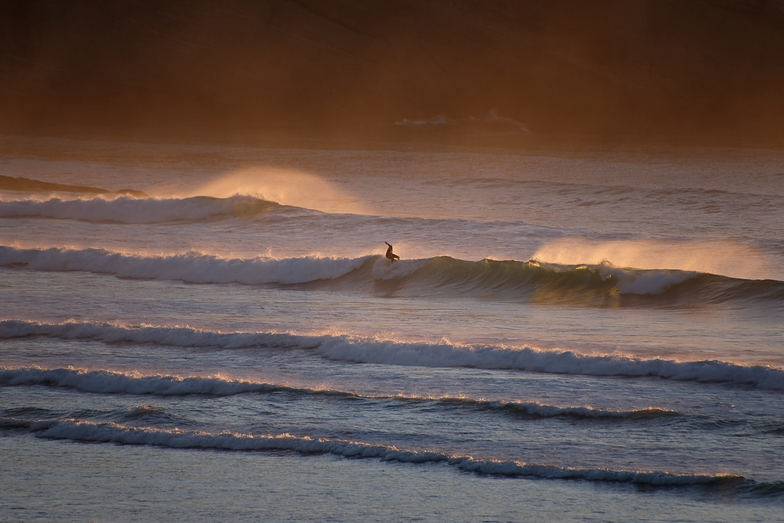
x: 194, y: 267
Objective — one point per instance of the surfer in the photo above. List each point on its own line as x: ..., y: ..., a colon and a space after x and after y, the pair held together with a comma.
x: 390, y: 255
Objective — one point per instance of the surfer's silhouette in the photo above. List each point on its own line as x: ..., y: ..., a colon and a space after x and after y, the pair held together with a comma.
x: 390, y: 255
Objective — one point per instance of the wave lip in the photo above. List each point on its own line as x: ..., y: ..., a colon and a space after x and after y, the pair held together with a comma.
x: 109, y: 432
x: 362, y: 350
x: 131, y: 210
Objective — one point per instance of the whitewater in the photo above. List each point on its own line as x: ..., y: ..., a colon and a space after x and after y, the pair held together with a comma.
x: 579, y: 336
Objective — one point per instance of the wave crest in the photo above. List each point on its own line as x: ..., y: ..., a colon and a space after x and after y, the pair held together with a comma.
x: 596, y: 286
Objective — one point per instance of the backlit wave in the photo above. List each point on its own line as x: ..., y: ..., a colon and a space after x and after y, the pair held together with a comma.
x: 598, y: 285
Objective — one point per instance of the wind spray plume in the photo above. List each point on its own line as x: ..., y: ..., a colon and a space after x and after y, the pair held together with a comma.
x: 724, y: 258
x: 286, y: 187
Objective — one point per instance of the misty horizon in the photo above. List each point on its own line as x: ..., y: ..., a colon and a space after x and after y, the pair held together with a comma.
x: 361, y: 68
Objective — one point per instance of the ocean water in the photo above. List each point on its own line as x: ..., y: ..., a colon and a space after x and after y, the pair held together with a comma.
x: 586, y: 335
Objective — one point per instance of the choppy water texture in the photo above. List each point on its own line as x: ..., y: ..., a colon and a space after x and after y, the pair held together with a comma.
x: 576, y: 337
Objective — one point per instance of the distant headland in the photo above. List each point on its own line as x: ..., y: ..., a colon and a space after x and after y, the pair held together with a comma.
x: 9, y: 183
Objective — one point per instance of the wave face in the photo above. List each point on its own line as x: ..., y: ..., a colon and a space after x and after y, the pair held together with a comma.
x: 599, y: 285
x: 362, y: 350
x: 589, y: 285
x: 139, y: 210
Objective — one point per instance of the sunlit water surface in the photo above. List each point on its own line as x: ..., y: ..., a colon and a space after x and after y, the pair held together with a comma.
x: 203, y: 353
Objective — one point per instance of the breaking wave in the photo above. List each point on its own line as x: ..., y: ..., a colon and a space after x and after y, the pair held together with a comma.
x: 598, y: 285
x: 109, y: 432
x: 139, y: 210
x: 390, y: 352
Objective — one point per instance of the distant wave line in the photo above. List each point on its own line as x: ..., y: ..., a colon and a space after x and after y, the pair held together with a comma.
x: 109, y: 382
x: 130, y: 210
x: 389, y: 352
x: 191, y: 267
x: 109, y: 432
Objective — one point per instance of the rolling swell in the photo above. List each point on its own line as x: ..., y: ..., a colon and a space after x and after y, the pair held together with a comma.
x: 390, y: 352
x: 109, y: 432
x: 20, y: 417
x: 595, y: 286
x: 139, y: 210
x: 192, y: 268
x: 108, y: 382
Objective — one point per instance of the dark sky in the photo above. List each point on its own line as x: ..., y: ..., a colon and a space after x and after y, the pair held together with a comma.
x: 599, y: 67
